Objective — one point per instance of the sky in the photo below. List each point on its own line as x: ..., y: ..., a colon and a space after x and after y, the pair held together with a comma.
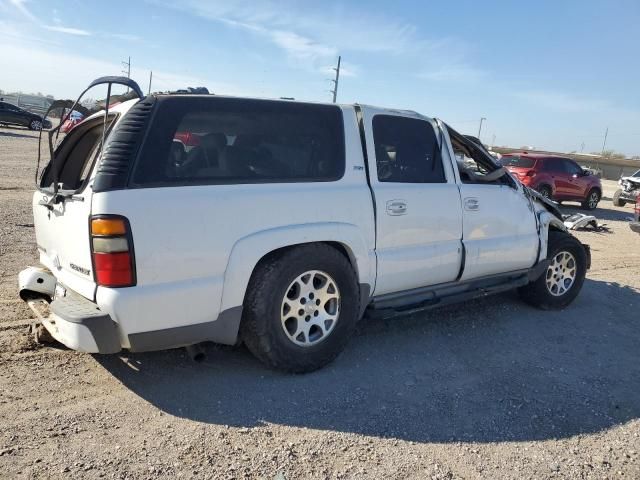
x: 548, y: 74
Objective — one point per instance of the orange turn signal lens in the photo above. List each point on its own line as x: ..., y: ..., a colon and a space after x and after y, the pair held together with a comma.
x: 108, y: 226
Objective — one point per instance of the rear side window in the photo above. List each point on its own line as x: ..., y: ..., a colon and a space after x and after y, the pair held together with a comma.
x: 553, y: 165
x: 517, y: 161
x: 407, y: 150
x: 196, y: 140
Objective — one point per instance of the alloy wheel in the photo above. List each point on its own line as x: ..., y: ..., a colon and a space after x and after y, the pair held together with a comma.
x: 310, y: 308
x: 561, y: 273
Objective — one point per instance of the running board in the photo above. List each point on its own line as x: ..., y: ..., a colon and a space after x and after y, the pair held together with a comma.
x: 453, y: 292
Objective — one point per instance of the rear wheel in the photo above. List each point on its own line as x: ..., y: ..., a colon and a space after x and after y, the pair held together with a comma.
x: 301, y: 308
x: 559, y: 285
x: 35, y: 125
x: 545, y: 191
x: 617, y: 201
x: 591, y: 202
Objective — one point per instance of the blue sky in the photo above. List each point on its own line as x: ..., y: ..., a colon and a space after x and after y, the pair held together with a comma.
x: 550, y: 74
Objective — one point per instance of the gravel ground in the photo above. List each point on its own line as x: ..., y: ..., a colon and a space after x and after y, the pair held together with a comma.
x: 488, y: 389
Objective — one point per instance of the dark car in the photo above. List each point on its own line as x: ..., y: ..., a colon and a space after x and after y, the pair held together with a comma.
x: 557, y: 178
x: 12, y: 115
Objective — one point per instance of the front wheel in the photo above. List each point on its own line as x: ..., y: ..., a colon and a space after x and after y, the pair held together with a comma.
x: 301, y: 308
x: 591, y: 202
x: 35, y: 125
x: 559, y: 285
x: 617, y: 201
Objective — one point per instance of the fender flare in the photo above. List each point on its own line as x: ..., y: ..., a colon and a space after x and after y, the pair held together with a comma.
x: 249, y: 250
x: 547, y: 221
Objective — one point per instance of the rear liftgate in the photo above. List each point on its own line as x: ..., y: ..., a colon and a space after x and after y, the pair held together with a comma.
x: 38, y: 286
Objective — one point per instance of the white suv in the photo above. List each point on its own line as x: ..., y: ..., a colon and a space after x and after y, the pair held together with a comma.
x: 277, y: 223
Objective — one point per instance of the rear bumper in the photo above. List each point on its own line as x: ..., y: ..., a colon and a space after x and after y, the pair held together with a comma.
x: 78, y: 324
x: 82, y: 325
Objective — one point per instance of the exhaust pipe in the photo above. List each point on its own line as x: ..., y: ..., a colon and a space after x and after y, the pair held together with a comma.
x: 196, y: 352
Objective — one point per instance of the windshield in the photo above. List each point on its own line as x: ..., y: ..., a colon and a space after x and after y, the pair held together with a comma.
x: 517, y: 161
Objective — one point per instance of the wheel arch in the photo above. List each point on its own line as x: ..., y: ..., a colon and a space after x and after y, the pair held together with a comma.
x: 250, y: 251
x: 548, y: 185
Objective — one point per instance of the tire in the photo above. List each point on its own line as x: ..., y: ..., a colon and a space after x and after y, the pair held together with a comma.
x: 545, y: 297
x: 278, y: 283
x: 35, y: 125
x: 616, y: 199
x: 591, y: 202
x: 545, y: 191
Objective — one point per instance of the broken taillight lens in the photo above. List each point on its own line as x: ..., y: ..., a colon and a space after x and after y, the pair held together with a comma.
x: 112, y: 251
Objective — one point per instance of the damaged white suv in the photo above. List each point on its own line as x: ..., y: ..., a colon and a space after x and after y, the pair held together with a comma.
x: 277, y: 223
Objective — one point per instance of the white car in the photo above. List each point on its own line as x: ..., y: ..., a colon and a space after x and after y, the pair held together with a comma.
x: 279, y: 226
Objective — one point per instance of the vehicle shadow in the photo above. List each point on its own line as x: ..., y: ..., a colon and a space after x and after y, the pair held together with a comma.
x: 16, y: 135
x: 491, y: 370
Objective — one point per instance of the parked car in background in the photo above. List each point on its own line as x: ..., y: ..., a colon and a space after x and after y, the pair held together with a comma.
x: 12, y: 115
x: 556, y: 178
x: 628, y: 191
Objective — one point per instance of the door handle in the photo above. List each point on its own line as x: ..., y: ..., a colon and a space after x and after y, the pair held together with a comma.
x: 471, y: 203
x: 396, y: 207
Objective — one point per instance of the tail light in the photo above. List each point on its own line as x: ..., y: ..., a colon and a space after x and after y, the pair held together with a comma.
x: 530, y: 173
x: 112, y: 251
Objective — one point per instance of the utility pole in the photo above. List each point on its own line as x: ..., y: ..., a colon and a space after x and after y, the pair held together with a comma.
x: 493, y: 141
x: 335, y: 82
x: 605, y: 140
x: 582, y: 147
x: 150, y: 78
x: 128, y: 70
x: 480, y: 128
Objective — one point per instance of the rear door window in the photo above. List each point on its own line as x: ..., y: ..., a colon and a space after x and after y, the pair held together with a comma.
x: 517, y: 161
x: 407, y: 150
x: 196, y: 140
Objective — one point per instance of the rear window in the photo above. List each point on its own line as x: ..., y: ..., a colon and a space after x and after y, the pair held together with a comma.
x: 517, y: 161
x: 196, y: 140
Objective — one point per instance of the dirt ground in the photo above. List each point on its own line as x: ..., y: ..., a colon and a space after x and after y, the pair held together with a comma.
x: 488, y: 389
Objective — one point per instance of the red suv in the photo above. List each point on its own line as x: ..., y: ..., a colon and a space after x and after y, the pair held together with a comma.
x: 556, y: 178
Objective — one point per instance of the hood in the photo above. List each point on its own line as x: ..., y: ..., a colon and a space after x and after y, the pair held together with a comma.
x: 630, y: 179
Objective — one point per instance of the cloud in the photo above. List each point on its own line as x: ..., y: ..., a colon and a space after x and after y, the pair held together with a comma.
x: 20, y: 5
x: 458, y: 73
x: 67, y: 30
x: 313, y: 36
x: 562, y: 102
x: 127, y: 37
x: 65, y: 75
